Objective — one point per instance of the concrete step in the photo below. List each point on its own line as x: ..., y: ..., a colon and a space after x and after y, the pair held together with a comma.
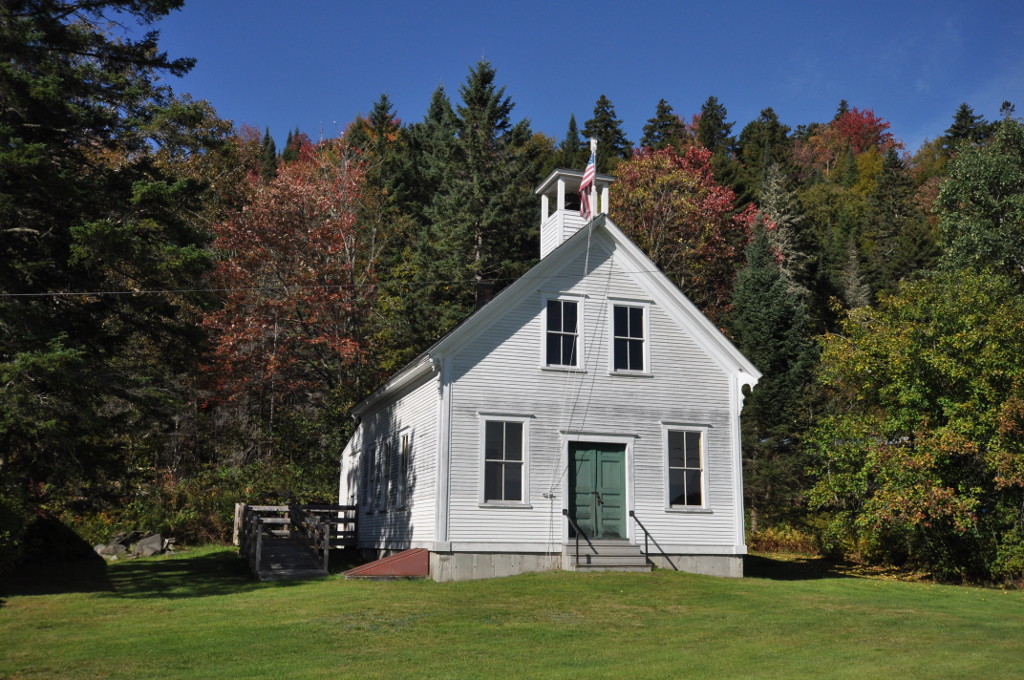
x: 605, y: 555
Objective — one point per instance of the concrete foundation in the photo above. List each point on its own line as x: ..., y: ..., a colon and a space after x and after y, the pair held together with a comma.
x: 461, y: 566
x: 726, y: 566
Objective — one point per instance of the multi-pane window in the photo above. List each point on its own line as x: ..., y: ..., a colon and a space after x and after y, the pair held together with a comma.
x: 628, y: 338
x: 503, y: 460
x: 685, y: 468
x: 562, y: 333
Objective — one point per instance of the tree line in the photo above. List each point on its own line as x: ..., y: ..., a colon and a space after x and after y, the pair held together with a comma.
x: 187, y: 314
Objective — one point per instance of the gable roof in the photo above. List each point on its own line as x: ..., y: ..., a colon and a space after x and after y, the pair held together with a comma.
x: 678, y: 307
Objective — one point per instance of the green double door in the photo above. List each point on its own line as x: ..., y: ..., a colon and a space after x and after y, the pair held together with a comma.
x: 597, y: 479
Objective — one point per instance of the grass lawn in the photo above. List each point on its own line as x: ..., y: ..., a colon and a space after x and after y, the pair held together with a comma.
x: 199, y: 615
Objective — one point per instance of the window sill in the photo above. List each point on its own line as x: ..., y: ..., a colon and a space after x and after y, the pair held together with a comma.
x: 632, y: 374
x: 564, y: 369
x: 689, y: 510
x: 506, y: 504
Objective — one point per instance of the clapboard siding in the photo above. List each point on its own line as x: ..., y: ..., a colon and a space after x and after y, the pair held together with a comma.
x: 492, y: 366
x: 388, y: 524
x: 500, y: 372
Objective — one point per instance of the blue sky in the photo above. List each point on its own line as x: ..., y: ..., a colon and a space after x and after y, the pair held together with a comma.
x: 316, y: 64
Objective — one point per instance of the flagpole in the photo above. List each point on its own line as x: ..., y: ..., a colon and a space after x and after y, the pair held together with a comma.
x: 594, y: 207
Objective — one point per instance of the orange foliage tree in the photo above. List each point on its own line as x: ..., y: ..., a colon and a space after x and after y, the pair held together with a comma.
x: 670, y: 205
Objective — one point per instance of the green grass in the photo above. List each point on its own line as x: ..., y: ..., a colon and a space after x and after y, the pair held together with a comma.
x: 199, y: 615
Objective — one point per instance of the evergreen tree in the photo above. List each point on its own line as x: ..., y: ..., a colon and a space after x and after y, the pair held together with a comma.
x: 612, y: 145
x: 967, y: 128
x: 92, y: 199
x: 293, y: 145
x: 430, y: 155
x: 480, y: 235
x: 665, y: 129
x: 268, y: 157
x: 762, y: 143
x: 572, y: 152
x: 714, y: 133
x: 380, y: 140
x: 897, y: 240
x: 771, y: 326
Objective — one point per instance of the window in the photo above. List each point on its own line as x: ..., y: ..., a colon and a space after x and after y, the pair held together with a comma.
x: 503, y: 460
x: 628, y: 338
x: 562, y: 336
x: 404, y: 453
x: 383, y: 490
x: 369, y: 476
x: 685, y: 468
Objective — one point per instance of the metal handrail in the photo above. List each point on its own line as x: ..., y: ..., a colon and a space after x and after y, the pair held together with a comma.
x: 647, y: 534
x: 579, y: 532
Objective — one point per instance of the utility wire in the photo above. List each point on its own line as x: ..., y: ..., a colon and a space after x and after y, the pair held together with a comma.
x: 180, y: 291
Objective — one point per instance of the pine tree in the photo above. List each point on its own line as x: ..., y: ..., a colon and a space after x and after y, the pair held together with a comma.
x: 967, y: 128
x: 897, y: 239
x: 480, y: 235
x: 292, y: 146
x: 665, y: 129
x: 770, y: 324
x: 763, y: 142
x: 612, y: 145
x: 430, y: 155
x: 572, y: 152
x: 268, y: 157
x: 713, y: 131
x: 93, y: 198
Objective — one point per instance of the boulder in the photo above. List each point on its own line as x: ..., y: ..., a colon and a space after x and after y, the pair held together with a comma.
x: 149, y: 546
x: 111, y: 550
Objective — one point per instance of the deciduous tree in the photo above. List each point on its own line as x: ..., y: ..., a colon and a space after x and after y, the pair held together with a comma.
x: 920, y: 452
x: 670, y: 205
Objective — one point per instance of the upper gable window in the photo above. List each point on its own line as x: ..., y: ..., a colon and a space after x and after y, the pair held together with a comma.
x: 561, y: 337
x: 629, y: 338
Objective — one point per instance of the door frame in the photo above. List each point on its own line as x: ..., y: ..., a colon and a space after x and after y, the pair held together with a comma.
x: 587, y: 437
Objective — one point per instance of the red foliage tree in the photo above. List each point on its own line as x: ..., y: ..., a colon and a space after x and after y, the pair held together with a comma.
x: 670, y: 205
x: 853, y: 131
x: 297, y: 269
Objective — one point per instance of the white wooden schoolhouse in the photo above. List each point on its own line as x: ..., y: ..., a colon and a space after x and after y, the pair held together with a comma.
x: 585, y: 418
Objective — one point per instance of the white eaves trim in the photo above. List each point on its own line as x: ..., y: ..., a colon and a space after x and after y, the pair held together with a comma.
x: 420, y: 367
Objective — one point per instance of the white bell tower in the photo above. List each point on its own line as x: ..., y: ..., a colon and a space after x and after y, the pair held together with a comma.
x: 560, y: 191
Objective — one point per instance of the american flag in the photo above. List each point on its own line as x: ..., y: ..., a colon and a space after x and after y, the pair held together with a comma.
x: 586, y: 185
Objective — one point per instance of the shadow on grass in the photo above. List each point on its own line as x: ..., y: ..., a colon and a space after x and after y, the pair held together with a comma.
x: 75, y: 576
x: 792, y: 568
x: 223, y: 572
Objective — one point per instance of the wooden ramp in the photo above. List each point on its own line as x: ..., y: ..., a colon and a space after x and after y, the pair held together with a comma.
x: 413, y: 563
x: 293, y: 541
x: 287, y: 557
